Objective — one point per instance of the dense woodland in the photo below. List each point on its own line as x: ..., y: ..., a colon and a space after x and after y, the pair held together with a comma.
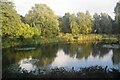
x: 41, y: 25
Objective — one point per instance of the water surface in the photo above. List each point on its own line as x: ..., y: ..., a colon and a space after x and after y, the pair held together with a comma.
x: 61, y: 55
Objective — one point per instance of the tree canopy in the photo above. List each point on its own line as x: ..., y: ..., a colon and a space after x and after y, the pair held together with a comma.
x: 44, y: 19
x: 102, y: 23
x: 12, y: 25
x: 77, y: 24
x: 41, y: 24
x: 10, y: 19
x: 117, y: 16
x: 84, y: 21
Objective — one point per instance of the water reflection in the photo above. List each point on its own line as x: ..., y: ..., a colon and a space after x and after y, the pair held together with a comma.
x: 62, y: 55
x: 65, y: 60
x: 28, y: 64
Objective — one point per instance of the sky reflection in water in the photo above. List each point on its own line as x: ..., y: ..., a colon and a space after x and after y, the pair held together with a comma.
x: 65, y: 60
x: 64, y: 55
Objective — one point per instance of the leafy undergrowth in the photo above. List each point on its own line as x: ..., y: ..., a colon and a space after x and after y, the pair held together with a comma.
x: 87, y: 72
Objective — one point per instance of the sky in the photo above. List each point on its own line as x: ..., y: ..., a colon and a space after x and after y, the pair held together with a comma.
x: 60, y: 7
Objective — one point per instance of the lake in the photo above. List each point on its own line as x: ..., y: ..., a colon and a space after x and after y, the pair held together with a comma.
x: 60, y: 55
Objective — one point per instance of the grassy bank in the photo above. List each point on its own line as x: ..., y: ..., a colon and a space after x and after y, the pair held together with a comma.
x: 66, y: 38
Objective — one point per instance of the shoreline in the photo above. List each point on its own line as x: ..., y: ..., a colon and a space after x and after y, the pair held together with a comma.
x: 64, y: 38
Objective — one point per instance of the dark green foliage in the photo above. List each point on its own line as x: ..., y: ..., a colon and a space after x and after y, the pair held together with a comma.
x: 105, y: 23
x: 76, y: 24
x: 65, y: 23
x: 117, y: 16
x: 102, y: 23
x: 96, y: 23
x: 114, y: 27
x: 22, y: 19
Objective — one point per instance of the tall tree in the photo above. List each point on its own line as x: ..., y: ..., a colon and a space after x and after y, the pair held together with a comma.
x: 77, y: 24
x: 10, y: 19
x: 65, y: 23
x: 106, y: 25
x: 84, y: 21
x: 44, y: 19
x: 102, y: 23
x: 12, y: 25
x: 96, y: 23
x: 117, y: 16
x: 89, y: 22
x: 74, y: 25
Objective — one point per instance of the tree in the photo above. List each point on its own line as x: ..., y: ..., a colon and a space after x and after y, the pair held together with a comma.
x: 12, y: 25
x: 84, y: 21
x: 102, y: 23
x: 74, y: 25
x: 96, y: 23
x: 77, y: 24
x: 65, y: 23
x: 25, y: 31
x: 44, y: 19
x: 105, y: 23
x: 117, y: 16
x: 10, y: 19
x: 114, y: 27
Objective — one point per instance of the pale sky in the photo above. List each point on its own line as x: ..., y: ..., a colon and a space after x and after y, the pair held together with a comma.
x: 60, y: 7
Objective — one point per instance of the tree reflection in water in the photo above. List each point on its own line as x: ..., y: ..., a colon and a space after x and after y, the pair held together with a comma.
x: 63, y: 55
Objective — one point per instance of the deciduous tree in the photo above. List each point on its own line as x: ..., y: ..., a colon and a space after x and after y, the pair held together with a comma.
x: 44, y: 19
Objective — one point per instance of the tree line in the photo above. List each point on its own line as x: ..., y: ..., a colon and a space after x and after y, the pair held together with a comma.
x: 41, y: 21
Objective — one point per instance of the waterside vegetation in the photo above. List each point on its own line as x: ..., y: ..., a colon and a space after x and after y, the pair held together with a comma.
x: 87, y: 72
x: 40, y: 25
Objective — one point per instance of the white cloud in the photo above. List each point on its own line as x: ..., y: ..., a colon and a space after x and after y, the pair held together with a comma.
x: 73, y: 6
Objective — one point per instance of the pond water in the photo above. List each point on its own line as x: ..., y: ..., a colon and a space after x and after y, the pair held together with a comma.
x: 61, y: 55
